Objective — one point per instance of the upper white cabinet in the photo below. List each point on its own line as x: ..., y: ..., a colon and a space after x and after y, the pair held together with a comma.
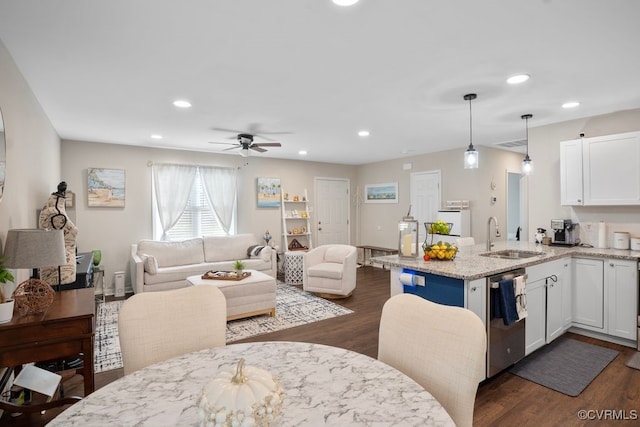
x: 571, y: 172
x: 601, y: 170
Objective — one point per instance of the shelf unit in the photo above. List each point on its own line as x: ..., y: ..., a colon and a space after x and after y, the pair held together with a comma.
x: 296, y: 220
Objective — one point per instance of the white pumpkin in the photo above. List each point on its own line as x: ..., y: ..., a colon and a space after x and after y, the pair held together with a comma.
x: 244, y: 396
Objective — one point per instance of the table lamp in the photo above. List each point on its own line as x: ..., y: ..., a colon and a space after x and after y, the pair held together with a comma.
x: 34, y: 248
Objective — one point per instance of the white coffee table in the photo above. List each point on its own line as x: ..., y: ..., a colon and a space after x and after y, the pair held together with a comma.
x: 250, y: 296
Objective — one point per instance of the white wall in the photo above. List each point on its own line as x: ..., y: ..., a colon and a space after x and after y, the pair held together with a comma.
x: 32, y: 153
x: 457, y: 183
x: 113, y: 230
x: 544, y: 200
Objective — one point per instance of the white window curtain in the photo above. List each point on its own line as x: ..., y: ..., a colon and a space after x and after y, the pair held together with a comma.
x: 220, y: 184
x: 172, y: 188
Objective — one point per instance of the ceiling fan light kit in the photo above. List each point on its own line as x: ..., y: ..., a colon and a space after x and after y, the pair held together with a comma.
x: 471, y: 155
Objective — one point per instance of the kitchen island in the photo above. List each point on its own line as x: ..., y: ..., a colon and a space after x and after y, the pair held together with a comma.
x: 469, y: 264
x: 590, y: 291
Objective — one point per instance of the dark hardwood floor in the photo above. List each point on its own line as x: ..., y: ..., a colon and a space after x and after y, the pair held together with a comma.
x: 504, y: 400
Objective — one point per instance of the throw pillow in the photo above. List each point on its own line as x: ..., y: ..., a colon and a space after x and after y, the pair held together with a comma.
x: 254, y: 251
x: 150, y: 264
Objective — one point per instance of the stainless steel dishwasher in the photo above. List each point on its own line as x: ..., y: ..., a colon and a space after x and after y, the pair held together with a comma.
x: 506, y: 344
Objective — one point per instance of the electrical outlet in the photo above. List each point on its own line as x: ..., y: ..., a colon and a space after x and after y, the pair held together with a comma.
x: 418, y: 280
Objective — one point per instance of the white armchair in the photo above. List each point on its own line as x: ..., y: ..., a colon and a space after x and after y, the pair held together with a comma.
x: 330, y: 270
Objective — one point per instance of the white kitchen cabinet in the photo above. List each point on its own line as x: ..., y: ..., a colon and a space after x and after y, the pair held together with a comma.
x: 477, y: 298
x: 571, y: 173
x: 547, y: 302
x: 621, y: 284
x: 535, y: 323
x: 601, y: 171
x: 567, y: 292
x: 588, y: 294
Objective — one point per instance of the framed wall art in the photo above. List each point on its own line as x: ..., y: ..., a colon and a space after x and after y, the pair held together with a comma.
x: 268, y: 192
x: 105, y: 187
x: 69, y: 199
x: 381, y: 193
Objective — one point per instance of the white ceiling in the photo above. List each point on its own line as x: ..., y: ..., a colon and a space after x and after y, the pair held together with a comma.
x: 108, y: 71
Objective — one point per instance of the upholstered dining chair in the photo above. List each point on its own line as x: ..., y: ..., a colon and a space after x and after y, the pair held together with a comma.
x: 156, y: 326
x: 330, y: 270
x: 441, y: 347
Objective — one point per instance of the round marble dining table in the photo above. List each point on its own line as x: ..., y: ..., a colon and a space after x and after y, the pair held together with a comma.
x: 323, y: 385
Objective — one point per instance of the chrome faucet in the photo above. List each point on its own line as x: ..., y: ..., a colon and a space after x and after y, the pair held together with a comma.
x: 495, y: 220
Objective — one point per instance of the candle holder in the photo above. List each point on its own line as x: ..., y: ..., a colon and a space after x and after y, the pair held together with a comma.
x: 408, y: 237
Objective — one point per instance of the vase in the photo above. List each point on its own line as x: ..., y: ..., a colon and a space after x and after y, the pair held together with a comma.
x: 6, y: 311
x: 97, y: 257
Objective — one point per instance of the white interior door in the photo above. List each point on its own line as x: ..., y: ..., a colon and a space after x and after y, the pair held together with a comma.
x: 425, y: 198
x: 332, y: 211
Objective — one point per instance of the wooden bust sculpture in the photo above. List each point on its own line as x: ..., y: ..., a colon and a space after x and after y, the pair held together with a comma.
x: 54, y: 216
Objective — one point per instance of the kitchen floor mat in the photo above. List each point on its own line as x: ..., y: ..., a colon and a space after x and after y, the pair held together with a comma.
x: 566, y: 365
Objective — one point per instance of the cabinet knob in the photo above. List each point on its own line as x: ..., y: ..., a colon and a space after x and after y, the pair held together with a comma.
x: 610, y: 264
x: 473, y: 289
x: 579, y: 201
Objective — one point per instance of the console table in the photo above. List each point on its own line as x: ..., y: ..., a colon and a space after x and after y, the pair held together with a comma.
x: 66, y: 329
x: 368, y: 251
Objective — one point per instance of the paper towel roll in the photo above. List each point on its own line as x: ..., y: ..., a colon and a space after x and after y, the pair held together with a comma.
x: 406, y: 279
x: 602, y: 235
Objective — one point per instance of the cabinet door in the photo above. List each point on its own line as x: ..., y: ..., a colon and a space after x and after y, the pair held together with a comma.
x: 588, y: 292
x: 571, y: 172
x: 536, y: 313
x: 477, y: 298
x: 567, y: 292
x: 621, y: 280
x: 610, y: 167
x: 555, y: 318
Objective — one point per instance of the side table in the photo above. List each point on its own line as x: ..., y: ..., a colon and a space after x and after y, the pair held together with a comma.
x: 293, y: 267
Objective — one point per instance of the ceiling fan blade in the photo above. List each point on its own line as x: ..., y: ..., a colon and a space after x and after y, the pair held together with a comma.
x: 267, y: 144
x: 223, y: 143
x: 233, y: 148
x: 227, y: 130
x: 257, y: 148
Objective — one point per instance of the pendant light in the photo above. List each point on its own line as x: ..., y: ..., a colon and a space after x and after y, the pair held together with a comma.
x: 527, y: 166
x: 471, y: 155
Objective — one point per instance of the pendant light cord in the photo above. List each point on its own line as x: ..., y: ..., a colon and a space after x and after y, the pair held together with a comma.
x: 470, y: 125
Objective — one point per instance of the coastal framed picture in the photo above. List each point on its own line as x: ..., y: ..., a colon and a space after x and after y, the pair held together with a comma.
x: 381, y: 193
x: 268, y: 190
x: 105, y: 187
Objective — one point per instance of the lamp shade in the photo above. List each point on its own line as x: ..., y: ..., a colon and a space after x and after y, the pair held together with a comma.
x: 34, y: 248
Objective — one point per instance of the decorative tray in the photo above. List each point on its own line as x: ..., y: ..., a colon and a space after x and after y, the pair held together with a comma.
x: 226, y: 275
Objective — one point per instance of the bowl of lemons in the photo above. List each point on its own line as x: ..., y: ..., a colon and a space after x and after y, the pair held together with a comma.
x: 442, y: 251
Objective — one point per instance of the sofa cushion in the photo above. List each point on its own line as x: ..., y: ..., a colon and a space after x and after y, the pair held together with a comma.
x: 224, y: 248
x: 169, y: 254
x: 329, y: 270
x: 336, y: 254
x: 150, y: 263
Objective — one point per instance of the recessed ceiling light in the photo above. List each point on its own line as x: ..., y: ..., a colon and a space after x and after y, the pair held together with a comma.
x: 156, y: 136
x: 570, y: 104
x: 180, y: 103
x: 520, y: 78
x: 302, y: 152
x: 363, y: 133
x: 345, y: 2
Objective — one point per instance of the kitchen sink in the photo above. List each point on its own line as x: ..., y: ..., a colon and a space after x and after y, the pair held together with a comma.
x: 512, y: 254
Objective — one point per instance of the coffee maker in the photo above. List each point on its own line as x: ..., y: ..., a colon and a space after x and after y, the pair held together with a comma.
x: 565, y: 232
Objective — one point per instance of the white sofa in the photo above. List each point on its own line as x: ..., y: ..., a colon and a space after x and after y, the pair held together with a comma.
x: 159, y: 266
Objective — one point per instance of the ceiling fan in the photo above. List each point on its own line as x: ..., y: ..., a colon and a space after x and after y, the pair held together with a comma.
x: 245, y: 140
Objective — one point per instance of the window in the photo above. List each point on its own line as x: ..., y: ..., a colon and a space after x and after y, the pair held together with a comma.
x: 197, y: 219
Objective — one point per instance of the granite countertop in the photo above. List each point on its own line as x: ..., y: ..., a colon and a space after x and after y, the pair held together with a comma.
x: 470, y: 265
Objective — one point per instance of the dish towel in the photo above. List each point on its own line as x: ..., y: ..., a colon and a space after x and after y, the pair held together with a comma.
x: 507, y: 298
x: 520, y: 284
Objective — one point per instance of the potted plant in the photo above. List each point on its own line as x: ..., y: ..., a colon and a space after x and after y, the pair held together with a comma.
x: 6, y: 305
x: 238, y: 266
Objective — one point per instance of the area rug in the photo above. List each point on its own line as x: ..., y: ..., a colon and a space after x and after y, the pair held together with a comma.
x: 566, y: 365
x: 294, y: 307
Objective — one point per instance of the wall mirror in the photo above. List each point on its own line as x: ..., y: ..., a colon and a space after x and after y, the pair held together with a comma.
x: 3, y: 156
